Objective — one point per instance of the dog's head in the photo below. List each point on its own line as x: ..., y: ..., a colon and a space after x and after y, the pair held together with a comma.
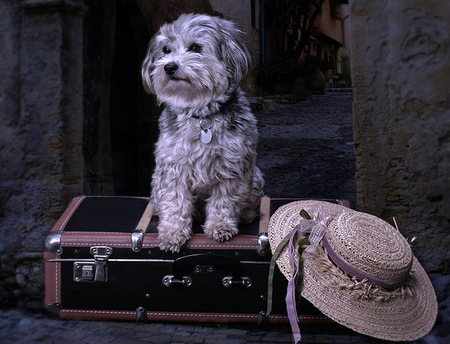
x: 194, y: 61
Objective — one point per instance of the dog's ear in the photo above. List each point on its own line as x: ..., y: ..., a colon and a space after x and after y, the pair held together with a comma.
x: 233, y: 50
x: 147, y: 67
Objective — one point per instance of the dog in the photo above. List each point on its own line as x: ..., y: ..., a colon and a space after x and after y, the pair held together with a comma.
x: 206, y: 150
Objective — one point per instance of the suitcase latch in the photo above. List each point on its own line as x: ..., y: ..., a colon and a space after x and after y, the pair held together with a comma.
x: 229, y: 281
x: 96, y: 271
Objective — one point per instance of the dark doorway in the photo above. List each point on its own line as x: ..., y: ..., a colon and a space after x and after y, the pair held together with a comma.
x: 123, y: 116
x: 131, y: 110
x: 120, y: 118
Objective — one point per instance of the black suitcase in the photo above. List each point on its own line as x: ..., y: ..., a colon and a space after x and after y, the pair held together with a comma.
x: 102, y: 261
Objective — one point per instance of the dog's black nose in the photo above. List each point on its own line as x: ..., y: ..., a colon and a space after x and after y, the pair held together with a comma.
x: 171, y: 68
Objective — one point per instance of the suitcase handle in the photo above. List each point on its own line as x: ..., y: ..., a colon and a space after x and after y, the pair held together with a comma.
x: 264, y: 211
x: 137, y: 237
x: 206, y: 263
x: 145, y: 218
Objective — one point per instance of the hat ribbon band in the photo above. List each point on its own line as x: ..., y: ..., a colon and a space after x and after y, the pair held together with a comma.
x: 350, y: 270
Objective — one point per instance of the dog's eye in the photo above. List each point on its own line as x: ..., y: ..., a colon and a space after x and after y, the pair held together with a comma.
x: 166, y: 49
x: 195, y: 48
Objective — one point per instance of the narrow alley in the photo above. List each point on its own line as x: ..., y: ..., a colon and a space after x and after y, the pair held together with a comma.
x: 306, y: 151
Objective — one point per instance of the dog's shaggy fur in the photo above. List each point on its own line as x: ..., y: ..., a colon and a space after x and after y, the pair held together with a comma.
x: 194, y: 67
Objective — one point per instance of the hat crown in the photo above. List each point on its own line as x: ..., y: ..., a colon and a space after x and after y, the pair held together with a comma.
x: 372, y: 247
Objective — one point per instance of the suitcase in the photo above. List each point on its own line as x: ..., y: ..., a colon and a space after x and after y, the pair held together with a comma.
x: 102, y: 261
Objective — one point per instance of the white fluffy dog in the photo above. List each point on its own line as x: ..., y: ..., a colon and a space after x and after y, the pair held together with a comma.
x: 206, y: 150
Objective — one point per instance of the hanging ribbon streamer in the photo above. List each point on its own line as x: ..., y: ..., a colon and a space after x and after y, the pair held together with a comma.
x: 295, y: 285
x: 317, y: 230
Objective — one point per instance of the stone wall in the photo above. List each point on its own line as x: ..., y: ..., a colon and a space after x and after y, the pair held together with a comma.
x: 240, y: 12
x: 12, y: 153
x: 41, y: 143
x: 400, y: 70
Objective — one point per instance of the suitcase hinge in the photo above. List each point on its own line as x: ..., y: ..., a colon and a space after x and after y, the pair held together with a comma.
x: 96, y: 271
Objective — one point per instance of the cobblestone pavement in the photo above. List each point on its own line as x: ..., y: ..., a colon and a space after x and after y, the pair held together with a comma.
x: 305, y: 150
x: 17, y: 327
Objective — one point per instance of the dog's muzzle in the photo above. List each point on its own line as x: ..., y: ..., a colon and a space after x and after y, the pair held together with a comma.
x: 171, y: 68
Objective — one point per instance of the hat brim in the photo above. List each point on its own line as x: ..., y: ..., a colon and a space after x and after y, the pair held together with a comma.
x: 400, y: 318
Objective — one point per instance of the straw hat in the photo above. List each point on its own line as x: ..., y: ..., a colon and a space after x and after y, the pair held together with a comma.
x: 384, y: 291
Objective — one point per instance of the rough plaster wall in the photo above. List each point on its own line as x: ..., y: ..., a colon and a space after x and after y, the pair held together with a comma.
x: 239, y: 12
x: 51, y: 108
x: 400, y: 69
x: 40, y: 146
x: 10, y: 145
x: 12, y: 162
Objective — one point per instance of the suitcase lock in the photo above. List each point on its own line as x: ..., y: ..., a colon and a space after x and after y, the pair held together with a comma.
x: 96, y: 271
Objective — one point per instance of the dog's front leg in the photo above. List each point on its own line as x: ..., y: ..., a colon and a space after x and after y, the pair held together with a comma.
x: 175, y: 207
x: 223, y: 211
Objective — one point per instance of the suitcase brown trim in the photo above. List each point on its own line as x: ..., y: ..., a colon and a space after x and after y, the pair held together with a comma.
x: 92, y: 314
x: 65, y: 217
x: 52, y: 278
x: 123, y: 240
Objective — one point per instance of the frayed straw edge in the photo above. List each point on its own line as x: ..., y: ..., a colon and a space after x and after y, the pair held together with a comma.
x: 361, y: 289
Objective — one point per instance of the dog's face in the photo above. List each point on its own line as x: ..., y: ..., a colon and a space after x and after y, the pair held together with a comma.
x: 194, y: 61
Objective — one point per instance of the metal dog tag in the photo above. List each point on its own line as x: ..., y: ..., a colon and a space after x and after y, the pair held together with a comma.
x: 206, y: 135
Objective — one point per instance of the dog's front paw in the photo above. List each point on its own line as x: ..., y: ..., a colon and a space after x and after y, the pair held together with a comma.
x: 173, y: 243
x: 220, y: 230
x: 172, y: 238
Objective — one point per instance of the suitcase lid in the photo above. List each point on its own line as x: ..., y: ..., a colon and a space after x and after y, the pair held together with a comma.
x: 114, y: 221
